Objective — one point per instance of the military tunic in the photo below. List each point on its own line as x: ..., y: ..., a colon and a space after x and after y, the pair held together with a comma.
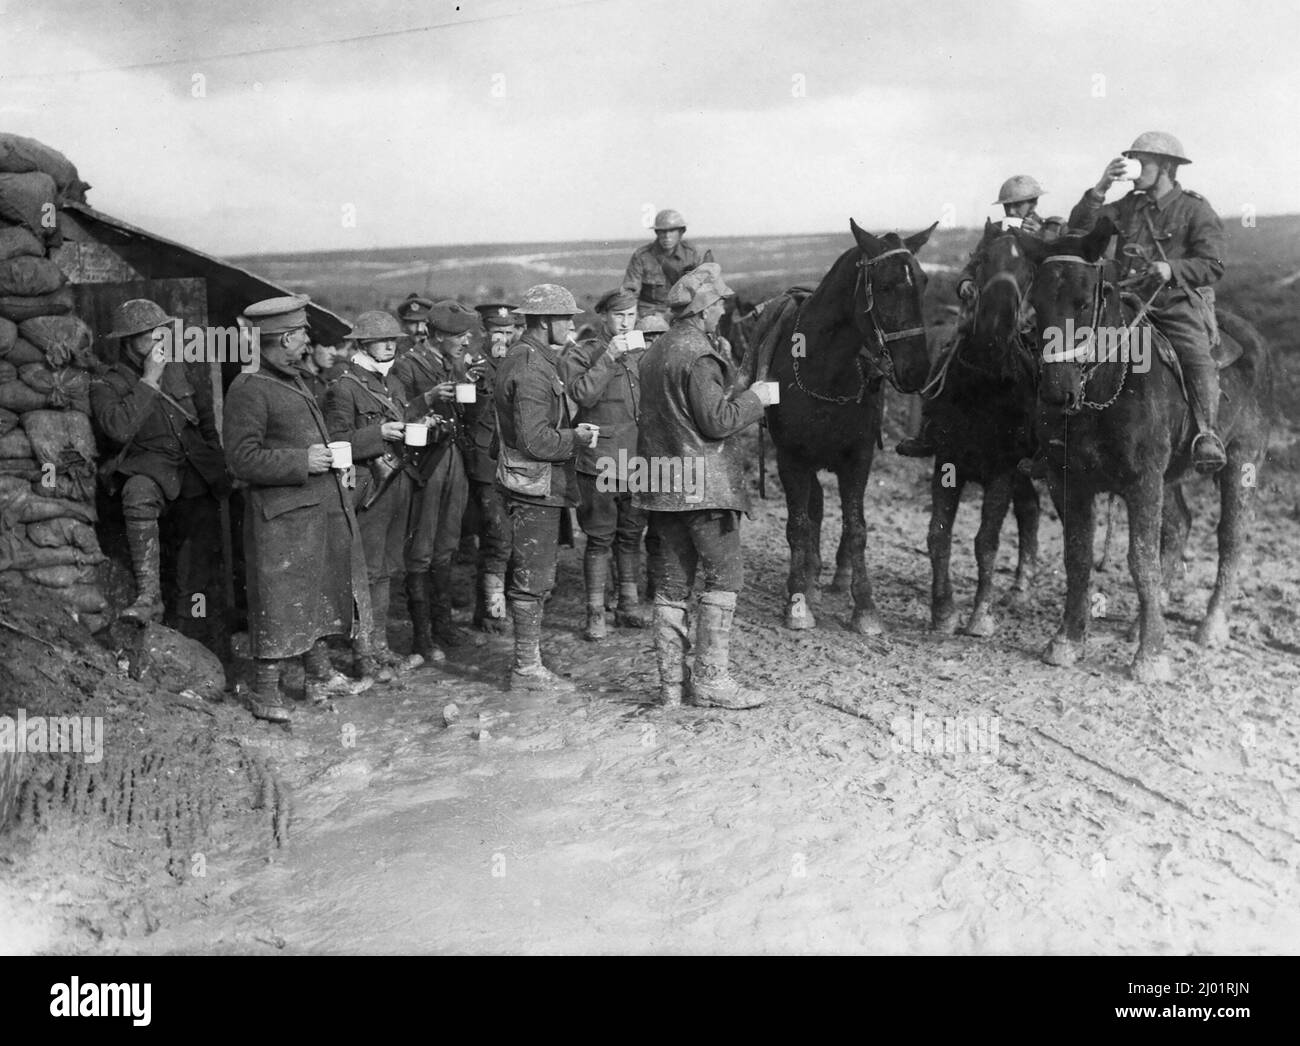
x: 652, y: 271
x: 481, y: 464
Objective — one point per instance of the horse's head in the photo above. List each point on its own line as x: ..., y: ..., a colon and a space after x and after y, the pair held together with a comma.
x: 887, y: 305
x: 1005, y: 278
x: 1068, y: 297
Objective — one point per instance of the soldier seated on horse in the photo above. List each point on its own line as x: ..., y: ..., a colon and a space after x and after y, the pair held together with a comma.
x: 1019, y: 198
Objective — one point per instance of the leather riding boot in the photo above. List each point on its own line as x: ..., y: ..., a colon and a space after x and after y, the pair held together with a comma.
x: 711, y: 682
x: 417, y: 603
x: 671, y: 644
x: 146, y: 558
x: 1208, y: 454
x: 377, y: 657
x: 596, y: 568
x: 630, y: 613
x: 267, y: 701
x: 445, y: 632
x: 528, y: 672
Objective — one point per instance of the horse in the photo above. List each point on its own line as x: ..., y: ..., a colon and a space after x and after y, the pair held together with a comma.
x: 830, y: 351
x: 1128, y: 430
x: 983, y: 417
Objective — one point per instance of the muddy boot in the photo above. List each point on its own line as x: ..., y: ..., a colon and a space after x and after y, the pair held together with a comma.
x: 267, y: 701
x: 671, y: 645
x: 417, y: 603
x: 596, y: 567
x: 528, y: 672
x: 369, y: 655
x: 1208, y: 454
x: 146, y: 555
x: 325, y: 681
x: 711, y: 682
x: 630, y: 613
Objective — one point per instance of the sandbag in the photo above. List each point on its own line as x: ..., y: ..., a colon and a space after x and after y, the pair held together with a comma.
x: 59, y: 435
x: 70, y: 390
x: 19, y: 155
x: 55, y: 533
x: 53, y: 576
x: 21, y: 307
x: 8, y: 335
x: 70, y: 481
x: 8, y: 372
x: 21, y: 351
x: 15, y: 444
x: 8, y: 419
x: 18, y: 554
x: 85, y: 598
x: 25, y: 467
x: 21, y: 505
x: 30, y: 277
x: 29, y: 200
x: 17, y: 242
x: 37, y: 376
x: 20, y: 398
x: 62, y: 339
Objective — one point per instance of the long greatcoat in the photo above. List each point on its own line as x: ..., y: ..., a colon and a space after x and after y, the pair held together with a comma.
x: 306, y: 568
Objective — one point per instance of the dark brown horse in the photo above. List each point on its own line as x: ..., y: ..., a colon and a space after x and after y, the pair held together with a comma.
x: 830, y: 353
x: 1128, y: 430
x: 983, y: 418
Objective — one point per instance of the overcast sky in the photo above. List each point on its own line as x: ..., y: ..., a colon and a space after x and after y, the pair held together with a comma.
x: 556, y: 120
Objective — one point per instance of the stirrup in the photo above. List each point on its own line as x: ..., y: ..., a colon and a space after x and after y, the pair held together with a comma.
x: 1217, y: 453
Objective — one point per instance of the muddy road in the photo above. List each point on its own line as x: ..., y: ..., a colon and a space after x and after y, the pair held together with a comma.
x: 1095, y: 815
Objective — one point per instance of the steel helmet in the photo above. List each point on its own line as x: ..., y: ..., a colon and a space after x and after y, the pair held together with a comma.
x: 375, y: 326
x: 652, y: 324
x: 1019, y: 188
x: 1159, y: 144
x: 669, y: 219
x: 548, y: 299
x: 137, y: 316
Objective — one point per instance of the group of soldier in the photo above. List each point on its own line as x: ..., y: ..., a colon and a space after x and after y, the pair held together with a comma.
x: 520, y: 433
x: 523, y: 432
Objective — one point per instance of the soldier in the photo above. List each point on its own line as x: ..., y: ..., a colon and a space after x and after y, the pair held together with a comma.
x: 689, y: 423
x: 1173, y: 236
x: 481, y: 464
x: 365, y: 406
x: 306, y: 566
x: 1053, y: 228
x: 428, y: 376
x: 1019, y: 199
x: 601, y: 377
x: 170, y: 453
x: 659, y: 264
x: 653, y: 327
x: 535, y: 470
x: 324, y: 363
x: 413, y: 315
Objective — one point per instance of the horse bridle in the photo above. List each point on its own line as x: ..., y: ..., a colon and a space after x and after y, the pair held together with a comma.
x: 1076, y: 354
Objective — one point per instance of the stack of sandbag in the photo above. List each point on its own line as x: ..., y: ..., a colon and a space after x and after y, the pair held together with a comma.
x: 47, y: 446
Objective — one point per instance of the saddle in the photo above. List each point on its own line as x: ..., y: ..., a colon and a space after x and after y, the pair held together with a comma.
x: 768, y: 317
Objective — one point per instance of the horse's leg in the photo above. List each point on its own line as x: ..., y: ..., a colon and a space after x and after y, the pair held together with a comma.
x: 1024, y: 497
x: 853, y: 487
x: 1076, y: 506
x: 816, y: 510
x: 843, y: 580
x: 1103, y: 561
x: 1176, y: 522
x: 943, y: 510
x: 997, y: 499
x: 1145, y: 501
x: 796, y: 478
x: 1236, y: 505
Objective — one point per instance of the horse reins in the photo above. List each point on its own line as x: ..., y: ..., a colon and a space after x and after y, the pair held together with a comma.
x: 884, y: 337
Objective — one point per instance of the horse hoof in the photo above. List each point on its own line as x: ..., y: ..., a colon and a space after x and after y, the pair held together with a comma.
x: 1061, y: 652
x: 1213, y: 631
x: 867, y: 623
x: 1150, y: 669
x: 981, y: 625
x: 797, y: 614
x: 944, y: 621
